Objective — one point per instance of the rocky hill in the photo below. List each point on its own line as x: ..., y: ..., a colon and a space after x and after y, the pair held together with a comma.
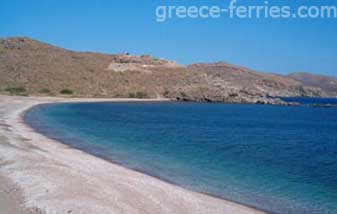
x: 328, y: 84
x: 30, y: 67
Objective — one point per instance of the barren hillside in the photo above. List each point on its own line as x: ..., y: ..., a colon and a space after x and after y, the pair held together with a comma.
x: 30, y: 67
x: 328, y: 84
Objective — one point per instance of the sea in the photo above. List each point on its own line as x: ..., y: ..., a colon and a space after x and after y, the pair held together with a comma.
x: 282, y: 159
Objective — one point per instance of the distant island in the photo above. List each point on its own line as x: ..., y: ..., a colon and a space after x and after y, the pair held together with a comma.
x: 33, y: 68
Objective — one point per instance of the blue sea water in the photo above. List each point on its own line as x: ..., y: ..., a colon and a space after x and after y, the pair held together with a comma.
x: 276, y: 158
x: 311, y: 100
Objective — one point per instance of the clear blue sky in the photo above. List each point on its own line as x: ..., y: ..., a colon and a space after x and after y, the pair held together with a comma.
x: 280, y: 46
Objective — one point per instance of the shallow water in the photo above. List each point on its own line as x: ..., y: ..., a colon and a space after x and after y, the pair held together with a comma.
x: 282, y: 159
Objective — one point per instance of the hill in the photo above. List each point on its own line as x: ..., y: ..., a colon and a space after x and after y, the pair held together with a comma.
x: 30, y: 67
x: 328, y: 84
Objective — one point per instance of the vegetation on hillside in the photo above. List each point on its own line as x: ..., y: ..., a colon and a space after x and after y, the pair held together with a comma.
x: 20, y: 90
x: 66, y: 91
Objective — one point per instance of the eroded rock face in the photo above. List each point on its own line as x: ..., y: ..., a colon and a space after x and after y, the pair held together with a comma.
x: 39, y: 67
x: 228, y: 96
x: 127, y: 62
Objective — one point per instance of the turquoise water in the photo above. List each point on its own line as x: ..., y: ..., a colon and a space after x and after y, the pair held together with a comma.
x: 281, y: 159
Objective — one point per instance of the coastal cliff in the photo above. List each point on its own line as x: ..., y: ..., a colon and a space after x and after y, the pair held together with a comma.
x: 30, y: 67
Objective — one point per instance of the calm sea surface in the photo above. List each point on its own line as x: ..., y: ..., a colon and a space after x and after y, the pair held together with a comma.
x: 281, y: 159
x: 311, y: 100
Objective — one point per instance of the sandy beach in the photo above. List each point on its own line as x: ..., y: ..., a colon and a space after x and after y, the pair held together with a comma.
x: 40, y: 175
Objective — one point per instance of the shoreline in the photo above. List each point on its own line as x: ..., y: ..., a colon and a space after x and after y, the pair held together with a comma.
x: 134, y: 169
x: 112, y: 189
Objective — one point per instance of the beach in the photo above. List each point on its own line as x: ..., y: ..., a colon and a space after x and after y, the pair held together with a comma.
x: 40, y: 175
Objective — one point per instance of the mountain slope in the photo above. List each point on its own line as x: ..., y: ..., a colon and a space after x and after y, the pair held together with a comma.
x: 328, y: 84
x: 38, y: 68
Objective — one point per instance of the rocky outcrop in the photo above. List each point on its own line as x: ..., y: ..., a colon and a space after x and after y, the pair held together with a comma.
x: 127, y: 62
x: 237, y: 82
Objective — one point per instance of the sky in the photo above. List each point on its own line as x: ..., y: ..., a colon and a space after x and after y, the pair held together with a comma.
x: 271, y: 45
